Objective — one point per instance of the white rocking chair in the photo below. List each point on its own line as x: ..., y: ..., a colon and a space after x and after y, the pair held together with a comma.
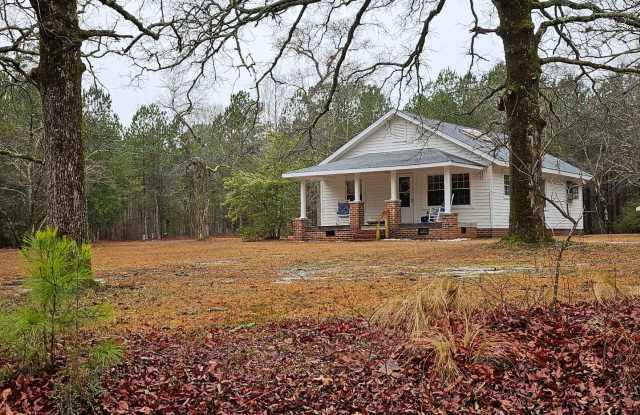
x: 433, y: 214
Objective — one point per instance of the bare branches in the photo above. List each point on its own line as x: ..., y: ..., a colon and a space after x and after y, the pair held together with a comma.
x: 15, y: 155
x: 130, y: 18
x: 590, y: 64
x: 21, y: 27
x: 343, y: 55
x: 598, y: 35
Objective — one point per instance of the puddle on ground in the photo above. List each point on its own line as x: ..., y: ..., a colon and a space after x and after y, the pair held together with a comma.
x: 14, y: 287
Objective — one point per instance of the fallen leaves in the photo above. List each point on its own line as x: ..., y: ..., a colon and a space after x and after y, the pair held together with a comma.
x: 584, y: 359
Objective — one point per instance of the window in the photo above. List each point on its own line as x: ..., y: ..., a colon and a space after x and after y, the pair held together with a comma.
x: 351, y: 191
x: 460, y: 189
x: 572, y: 191
x: 435, y: 190
x: 507, y: 185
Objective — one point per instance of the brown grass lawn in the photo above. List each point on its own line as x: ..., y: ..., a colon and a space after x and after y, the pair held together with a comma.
x: 229, y: 282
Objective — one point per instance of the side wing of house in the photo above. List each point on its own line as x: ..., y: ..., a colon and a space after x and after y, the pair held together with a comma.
x: 555, y: 189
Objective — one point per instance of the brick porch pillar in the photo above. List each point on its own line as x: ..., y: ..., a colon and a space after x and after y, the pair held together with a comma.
x: 450, y: 225
x: 356, y: 216
x: 393, y: 216
x: 299, y: 229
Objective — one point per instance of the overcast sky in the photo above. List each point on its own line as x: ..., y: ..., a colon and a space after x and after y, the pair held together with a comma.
x: 448, y: 45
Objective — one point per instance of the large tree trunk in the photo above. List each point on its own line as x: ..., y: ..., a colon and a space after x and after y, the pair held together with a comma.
x: 199, y: 178
x: 59, y: 78
x: 524, y: 123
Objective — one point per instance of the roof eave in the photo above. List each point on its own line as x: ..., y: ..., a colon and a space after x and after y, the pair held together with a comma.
x: 302, y: 175
x: 582, y: 175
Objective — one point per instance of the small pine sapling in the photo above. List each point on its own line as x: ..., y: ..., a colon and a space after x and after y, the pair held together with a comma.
x: 48, y: 327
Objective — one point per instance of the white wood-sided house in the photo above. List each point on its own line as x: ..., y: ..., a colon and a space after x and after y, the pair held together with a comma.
x: 427, y: 180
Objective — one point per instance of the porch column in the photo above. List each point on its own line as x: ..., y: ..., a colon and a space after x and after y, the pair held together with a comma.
x: 392, y: 206
x: 303, y: 199
x: 394, y: 185
x: 356, y: 188
x: 447, y: 189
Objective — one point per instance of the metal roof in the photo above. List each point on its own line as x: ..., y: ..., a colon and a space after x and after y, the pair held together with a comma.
x: 493, y: 146
x: 393, y: 160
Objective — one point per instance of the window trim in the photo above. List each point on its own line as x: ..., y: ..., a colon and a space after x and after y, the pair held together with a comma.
x: 573, y: 191
x: 506, y: 187
x: 429, y: 190
x: 353, y: 184
x: 466, y: 177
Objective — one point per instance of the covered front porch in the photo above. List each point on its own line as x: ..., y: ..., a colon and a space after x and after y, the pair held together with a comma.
x: 390, y: 202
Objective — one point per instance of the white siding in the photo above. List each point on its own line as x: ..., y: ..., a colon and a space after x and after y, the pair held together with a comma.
x: 376, y: 189
x: 555, y: 189
x: 500, y: 201
x: 332, y: 191
x: 398, y: 134
x: 489, y: 205
x: 476, y: 213
x: 420, y: 192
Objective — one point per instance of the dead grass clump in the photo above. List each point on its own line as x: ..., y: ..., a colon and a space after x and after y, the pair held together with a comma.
x: 416, y: 313
x: 462, y: 343
x: 445, y: 319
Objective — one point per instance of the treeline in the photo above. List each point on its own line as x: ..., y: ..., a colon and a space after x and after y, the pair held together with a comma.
x: 163, y: 176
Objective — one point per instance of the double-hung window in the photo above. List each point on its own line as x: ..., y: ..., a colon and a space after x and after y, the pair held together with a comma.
x: 507, y: 185
x: 435, y: 190
x: 572, y: 191
x: 461, y: 189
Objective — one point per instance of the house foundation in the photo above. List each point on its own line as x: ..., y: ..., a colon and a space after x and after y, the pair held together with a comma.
x: 448, y: 228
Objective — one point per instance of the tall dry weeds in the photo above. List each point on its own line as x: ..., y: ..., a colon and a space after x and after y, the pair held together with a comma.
x: 416, y: 313
x: 444, y: 318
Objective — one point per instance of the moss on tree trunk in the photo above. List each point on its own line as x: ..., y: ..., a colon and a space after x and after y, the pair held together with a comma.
x: 524, y: 123
x: 59, y: 79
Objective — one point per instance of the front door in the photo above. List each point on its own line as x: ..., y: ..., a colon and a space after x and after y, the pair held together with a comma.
x: 405, y: 191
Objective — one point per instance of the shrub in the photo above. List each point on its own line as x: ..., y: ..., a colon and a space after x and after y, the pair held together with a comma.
x: 629, y: 221
x: 260, y: 204
x: 79, y: 388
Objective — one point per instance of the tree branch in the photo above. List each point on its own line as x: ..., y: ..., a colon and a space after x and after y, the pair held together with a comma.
x: 131, y: 18
x: 590, y: 64
x: 27, y: 157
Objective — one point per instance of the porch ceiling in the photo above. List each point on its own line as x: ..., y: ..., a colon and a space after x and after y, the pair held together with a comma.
x: 389, y: 161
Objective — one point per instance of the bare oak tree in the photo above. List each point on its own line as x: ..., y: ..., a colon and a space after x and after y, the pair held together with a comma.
x: 41, y: 42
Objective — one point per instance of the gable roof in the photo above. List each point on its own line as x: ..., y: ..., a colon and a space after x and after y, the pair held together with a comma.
x: 459, y: 135
x: 394, y: 160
